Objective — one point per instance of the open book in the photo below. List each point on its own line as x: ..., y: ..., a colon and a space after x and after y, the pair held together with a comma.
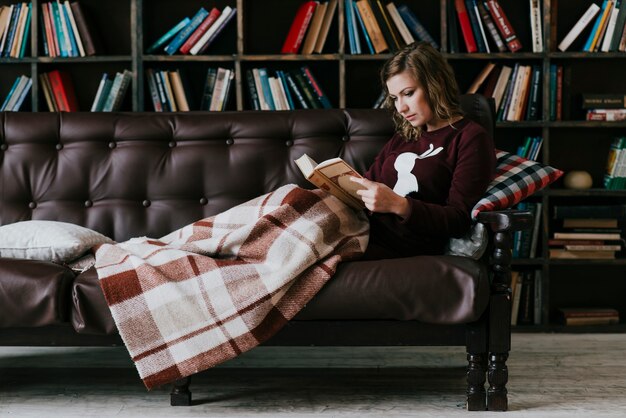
x: 333, y: 175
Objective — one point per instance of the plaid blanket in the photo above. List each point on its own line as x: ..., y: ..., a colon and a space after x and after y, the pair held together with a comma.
x: 216, y: 288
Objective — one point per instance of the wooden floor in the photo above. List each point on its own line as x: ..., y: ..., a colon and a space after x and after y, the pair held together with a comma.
x: 551, y: 375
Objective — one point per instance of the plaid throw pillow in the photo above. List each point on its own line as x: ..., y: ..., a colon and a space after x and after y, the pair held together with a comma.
x: 516, y: 179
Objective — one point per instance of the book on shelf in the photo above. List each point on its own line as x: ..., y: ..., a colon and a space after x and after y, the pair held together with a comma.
x: 314, y: 28
x: 610, y: 27
x: 504, y: 25
x: 481, y: 77
x: 590, y: 223
x: 372, y: 26
x: 466, y: 27
x: 490, y: 26
x: 588, y: 316
x: 598, y: 26
x: 607, y: 115
x: 415, y: 25
x: 394, y: 40
x: 403, y: 29
x: 321, y: 96
x: 204, y: 26
x: 615, y: 211
x: 476, y: 25
x: 63, y: 91
x: 620, y: 28
x: 168, y: 35
x: 453, y: 32
x: 225, y: 17
x: 615, y: 172
x: 329, y: 14
x: 604, y: 100
x: 16, y: 96
x: 298, y: 27
x: 361, y: 24
x: 179, y: 91
x: 88, y: 32
x: 535, y: 25
x: 516, y: 290
x: 354, y: 43
x: 562, y: 253
x: 587, y: 235
x: 333, y: 175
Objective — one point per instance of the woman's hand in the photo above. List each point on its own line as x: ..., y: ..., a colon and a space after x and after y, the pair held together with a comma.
x: 378, y: 197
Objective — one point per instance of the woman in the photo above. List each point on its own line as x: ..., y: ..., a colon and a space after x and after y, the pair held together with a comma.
x: 426, y: 179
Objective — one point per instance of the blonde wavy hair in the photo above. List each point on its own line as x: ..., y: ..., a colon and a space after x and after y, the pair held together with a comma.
x: 435, y: 76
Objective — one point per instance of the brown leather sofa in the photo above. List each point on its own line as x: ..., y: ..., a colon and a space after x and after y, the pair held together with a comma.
x: 136, y: 174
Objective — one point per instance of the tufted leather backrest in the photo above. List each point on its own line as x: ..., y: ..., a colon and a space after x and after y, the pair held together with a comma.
x: 135, y: 174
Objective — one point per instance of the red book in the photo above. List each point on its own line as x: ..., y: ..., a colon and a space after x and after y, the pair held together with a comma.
x: 466, y: 27
x: 504, y: 26
x: 200, y: 30
x: 298, y: 28
x: 63, y: 91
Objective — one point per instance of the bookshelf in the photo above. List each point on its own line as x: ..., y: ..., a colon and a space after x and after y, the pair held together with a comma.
x: 255, y: 37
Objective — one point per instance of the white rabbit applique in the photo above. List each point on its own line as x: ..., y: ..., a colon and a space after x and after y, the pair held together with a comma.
x: 407, y: 182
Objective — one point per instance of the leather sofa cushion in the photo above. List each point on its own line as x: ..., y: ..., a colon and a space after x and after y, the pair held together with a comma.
x: 432, y: 289
x: 33, y: 293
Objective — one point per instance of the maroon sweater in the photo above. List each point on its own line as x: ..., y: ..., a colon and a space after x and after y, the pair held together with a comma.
x: 443, y: 174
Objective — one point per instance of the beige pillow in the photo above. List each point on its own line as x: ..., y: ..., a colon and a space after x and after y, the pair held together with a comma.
x: 47, y: 240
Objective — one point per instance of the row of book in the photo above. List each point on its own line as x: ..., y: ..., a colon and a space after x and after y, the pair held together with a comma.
x: 383, y: 26
x: 169, y: 93
x: 16, y: 96
x: 309, y: 29
x: 526, y: 297
x: 516, y: 90
x: 65, y: 30
x: 588, y: 316
x: 615, y: 175
x: 587, y: 231
x: 485, y: 26
x: 285, y: 90
x: 610, y: 107
x: 14, y: 29
x: 606, y: 34
x: 59, y: 92
x: 525, y: 242
x: 194, y: 35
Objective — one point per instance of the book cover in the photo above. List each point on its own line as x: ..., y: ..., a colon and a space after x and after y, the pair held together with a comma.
x: 314, y: 29
x: 620, y: 25
x: 596, y: 26
x: 326, y: 23
x: 228, y: 14
x: 504, y: 26
x: 253, y: 94
x: 333, y: 176
x: 186, y: 32
x: 491, y: 26
x: 400, y: 25
x: 481, y: 77
x: 466, y: 27
x: 604, y: 101
x: 179, y: 91
x: 298, y: 28
x: 373, y: 29
x: 476, y: 28
x: 536, y: 25
x: 389, y: 30
x: 168, y: 35
x: 578, y: 27
x: 209, y: 20
x: 63, y: 90
x: 364, y: 33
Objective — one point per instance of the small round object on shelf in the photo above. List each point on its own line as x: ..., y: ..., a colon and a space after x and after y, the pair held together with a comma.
x: 578, y: 180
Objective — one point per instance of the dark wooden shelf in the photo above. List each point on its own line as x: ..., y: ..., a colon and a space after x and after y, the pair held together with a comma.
x: 574, y: 329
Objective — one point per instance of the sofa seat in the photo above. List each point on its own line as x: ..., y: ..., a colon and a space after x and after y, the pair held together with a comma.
x: 431, y: 289
x: 33, y: 293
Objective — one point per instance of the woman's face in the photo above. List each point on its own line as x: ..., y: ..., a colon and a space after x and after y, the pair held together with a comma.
x: 410, y: 101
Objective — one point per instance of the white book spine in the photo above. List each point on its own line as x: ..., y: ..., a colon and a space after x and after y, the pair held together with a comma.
x: 608, y: 35
x: 198, y: 45
x: 582, y: 23
x: 259, y: 89
x: 276, y: 93
x: 498, y: 91
x: 66, y: 34
x: 79, y: 42
x: 218, y: 90
x: 517, y: 90
x: 481, y: 28
x: 283, y: 94
x: 535, y: 25
x: 16, y: 93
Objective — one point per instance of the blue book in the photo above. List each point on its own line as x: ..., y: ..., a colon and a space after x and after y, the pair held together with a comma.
x: 70, y: 32
x: 23, y: 94
x: 22, y: 49
x: 595, y: 28
x: 349, y: 26
x: 168, y: 35
x: 182, y: 36
x: 283, y: 81
x: 415, y: 26
x: 267, y: 91
x: 368, y: 41
x: 6, y: 100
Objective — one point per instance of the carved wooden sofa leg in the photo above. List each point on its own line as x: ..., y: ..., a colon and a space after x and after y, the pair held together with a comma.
x: 497, y: 399
x: 180, y: 395
x: 476, y: 376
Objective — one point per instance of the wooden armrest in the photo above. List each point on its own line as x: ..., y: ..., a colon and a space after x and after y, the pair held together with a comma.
x: 506, y: 220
